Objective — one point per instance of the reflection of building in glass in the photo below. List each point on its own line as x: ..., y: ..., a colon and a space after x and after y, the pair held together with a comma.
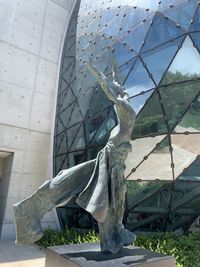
x: 155, y: 46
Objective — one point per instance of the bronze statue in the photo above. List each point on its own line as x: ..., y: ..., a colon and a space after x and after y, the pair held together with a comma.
x: 99, y: 184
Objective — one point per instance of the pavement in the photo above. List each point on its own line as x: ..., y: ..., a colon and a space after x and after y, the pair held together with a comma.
x: 12, y: 255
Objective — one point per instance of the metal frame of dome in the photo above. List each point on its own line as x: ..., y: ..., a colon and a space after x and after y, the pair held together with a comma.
x: 155, y: 47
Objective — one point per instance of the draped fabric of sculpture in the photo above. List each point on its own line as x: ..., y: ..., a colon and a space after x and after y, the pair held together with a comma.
x: 99, y: 183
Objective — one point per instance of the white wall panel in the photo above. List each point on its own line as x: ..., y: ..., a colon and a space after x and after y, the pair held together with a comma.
x: 31, y: 38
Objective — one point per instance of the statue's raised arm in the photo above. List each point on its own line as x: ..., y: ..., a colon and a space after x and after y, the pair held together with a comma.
x: 105, y: 83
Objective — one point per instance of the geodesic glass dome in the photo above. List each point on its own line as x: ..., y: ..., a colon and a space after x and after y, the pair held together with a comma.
x: 155, y: 47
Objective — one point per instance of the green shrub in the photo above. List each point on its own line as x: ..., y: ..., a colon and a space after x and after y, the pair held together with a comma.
x: 68, y: 236
x: 185, y: 248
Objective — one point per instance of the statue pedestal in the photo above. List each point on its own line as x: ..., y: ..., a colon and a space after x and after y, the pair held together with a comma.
x: 89, y: 255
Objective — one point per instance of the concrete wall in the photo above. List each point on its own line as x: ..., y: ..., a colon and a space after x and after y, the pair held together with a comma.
x: 31, y: 38
x: 5, y: 174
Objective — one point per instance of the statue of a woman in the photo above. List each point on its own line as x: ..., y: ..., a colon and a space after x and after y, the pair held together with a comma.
x: 99, y: 184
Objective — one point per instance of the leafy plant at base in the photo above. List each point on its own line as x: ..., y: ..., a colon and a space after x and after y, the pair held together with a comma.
x: 185, y: 248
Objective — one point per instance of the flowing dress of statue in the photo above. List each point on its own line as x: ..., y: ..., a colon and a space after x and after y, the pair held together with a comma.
x: 99, y: 184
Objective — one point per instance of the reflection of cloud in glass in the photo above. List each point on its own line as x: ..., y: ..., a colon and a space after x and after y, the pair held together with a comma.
x: 137, y: 89
x: 187, y: 60
x: 139, y: 101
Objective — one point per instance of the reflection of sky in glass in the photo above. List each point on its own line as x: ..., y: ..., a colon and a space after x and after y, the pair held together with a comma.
x: 135, y: 90
x: 139, y: 3
x: 138, y: 80
x: 143, y: 3
x: 139, y: 101
x: 187, y: 60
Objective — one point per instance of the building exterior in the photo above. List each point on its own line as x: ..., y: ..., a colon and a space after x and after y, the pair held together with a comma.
x: 31, y: 40
x: 155, y: 48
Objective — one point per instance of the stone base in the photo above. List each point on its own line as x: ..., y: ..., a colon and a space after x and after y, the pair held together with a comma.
x: 89, y: 255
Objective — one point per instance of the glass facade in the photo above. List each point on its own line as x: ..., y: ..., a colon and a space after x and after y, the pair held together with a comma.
x: 155, y: 48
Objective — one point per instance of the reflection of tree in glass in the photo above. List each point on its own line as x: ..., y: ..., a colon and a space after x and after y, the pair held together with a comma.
x: 192, y: 118
x: 176, y: 77
x: 180, y: 97
x: 177, y: 92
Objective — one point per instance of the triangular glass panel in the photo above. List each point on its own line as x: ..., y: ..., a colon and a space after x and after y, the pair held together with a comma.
x: 148, y: 5
x: 126, y: 68
x: 185, y: 150
x: 182, y: 69
x: 141, y: 147
x: 161, y: 31
x: 69, y: 43
x: 66, y: 63
x: 95, y: 46
x: 135, y: 38
x: 148, y: 205
x: 71, y: 31
x: 63, y: 86
x: 185, y: 201
x: 176, y: 98
x: 75, y: 116
x: 102, y: 44
x: 150, y: 120
x: 138, y: 80
x: 153, y: 197
x: 84, y: 99
x: 76, y: 84
x: 181, y: 12
x: 93, y: 25
x: 157, y: 165
x: 190, y: 123
x: 139, y: 101
x: 60, y: 163
x: 73, y: 20
x: 195, y: 36
x: 84, y: 54
x: 85, y: 81
x: 108, y: 122
x: 93, y: 126
x: 85, y: 22
x: 165, y: 52
x: 92, y: 152
x: 61, y: 141
x: 195, y: 23
x: 83, y: 42
x: 71, y: 134
x: 59, y: 99
x: 122, y: 53
x: 70, y: 50
x: 104, y: 61
x: 65, y: 115
x: 192, y: 172
x: 113, y: 27
x: 77, y: 157
x: 66, y: 100
x: 108, y: 14
x: 69, y: 74
x: 133, y: 16
x: 59, y: 126
x: 77, y: 137
x: 98, y: 103
x: 94, y: 22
